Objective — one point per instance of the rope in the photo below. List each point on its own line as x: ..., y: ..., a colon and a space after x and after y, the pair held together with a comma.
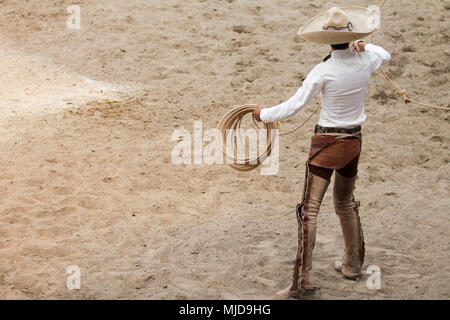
x: 382, y: 74
x: 118, y: 101
x: 304, y: 122
x: 229, y: 130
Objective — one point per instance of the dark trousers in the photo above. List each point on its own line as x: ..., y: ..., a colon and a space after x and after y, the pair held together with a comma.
x: 349, y: 171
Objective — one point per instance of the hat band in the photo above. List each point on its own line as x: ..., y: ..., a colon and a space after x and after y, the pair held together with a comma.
x: 349, y: 27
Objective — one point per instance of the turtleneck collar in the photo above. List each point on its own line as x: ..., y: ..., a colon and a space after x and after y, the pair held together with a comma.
x: 341, y: 53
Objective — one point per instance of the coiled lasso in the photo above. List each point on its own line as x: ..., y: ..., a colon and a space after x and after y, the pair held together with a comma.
x: 229, y: 132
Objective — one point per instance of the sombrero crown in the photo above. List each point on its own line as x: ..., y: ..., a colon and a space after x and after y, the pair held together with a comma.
x: 338, y: 25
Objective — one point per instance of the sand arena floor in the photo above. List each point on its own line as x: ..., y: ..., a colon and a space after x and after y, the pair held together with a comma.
x: 89, y: 183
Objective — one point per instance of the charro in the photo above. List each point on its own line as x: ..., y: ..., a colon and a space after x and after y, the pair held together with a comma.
x: 337, y: 142
x: 342, y: 80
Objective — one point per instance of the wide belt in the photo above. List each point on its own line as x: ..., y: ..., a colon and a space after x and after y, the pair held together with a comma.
x: 320, y: 129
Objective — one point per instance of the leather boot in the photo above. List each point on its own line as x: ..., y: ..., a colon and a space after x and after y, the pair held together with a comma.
x: 309, y: 209
x: 347, y: 210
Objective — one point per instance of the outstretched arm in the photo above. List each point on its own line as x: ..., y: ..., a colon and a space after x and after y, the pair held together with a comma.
x: 311, y: 87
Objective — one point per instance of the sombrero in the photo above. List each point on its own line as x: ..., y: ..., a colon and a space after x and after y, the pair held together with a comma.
x: 339, y: 25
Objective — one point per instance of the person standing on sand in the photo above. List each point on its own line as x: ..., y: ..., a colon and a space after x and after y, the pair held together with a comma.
x: 343, y: 80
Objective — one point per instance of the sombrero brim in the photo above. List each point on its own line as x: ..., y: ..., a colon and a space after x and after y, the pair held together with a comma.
x: 313, y: 31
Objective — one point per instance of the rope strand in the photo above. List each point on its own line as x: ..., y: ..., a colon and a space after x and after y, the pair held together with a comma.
x: 304, y: 122
x: 382, y: 74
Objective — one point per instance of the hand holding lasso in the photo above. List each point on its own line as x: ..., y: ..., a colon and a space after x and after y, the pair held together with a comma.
x: 358, y: 46
x: 257, y: 113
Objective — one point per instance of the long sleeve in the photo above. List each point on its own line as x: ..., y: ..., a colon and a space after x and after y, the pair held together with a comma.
x: 378, y: 56
x: 312, y: 85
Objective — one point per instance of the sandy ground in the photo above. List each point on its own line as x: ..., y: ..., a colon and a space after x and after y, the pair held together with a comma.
x: 90, y: 183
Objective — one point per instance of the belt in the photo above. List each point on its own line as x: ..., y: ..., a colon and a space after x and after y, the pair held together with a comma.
x: 320, y: 129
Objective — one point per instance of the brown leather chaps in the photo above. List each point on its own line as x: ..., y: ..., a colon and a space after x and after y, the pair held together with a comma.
x: 329, y: 151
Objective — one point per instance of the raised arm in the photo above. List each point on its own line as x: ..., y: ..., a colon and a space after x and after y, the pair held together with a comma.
x: 312, y: 85
x: 378, y: 55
